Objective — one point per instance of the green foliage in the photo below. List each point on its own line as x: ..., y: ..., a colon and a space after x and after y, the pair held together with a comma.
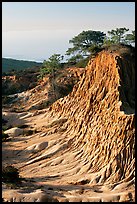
x: 84, y: 41
x: 12, y: 65
x: 4, y: 127
x: 82, y: 63
x: 94, y: 49
x: 9, y: 88
x: 75, y: 59
x: 108, y: 41
x: 51, y: 65
x: 117, y: 35
x: 130, y: 38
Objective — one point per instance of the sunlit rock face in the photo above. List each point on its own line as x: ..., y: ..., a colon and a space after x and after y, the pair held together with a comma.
x: 101, y: 120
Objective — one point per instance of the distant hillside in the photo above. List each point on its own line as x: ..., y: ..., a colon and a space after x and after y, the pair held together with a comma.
x: 17, y: 65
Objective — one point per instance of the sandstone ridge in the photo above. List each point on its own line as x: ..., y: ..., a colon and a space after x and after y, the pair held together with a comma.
x: 100, y: 112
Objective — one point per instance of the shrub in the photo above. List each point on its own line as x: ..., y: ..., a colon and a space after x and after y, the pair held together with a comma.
x: 10, y: 174
x: 4, y: 127
x: 50, y: 66
x: 82, y: 63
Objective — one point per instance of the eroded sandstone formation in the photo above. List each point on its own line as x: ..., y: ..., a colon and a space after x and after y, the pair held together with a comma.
x: 101, y: 120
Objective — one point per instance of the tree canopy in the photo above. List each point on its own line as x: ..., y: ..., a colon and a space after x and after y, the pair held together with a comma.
x: 51, y: 65
x: 83, y: 42
x: 118, y: 35
x: 130, y: 38
x: 85, y: 45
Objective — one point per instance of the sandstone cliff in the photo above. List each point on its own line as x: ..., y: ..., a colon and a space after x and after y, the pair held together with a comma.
x: 101, y: 120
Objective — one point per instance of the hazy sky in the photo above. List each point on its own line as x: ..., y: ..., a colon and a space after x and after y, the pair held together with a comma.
x: 36, y: 30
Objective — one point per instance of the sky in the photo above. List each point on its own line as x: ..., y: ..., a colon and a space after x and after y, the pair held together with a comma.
x: 37, y: 30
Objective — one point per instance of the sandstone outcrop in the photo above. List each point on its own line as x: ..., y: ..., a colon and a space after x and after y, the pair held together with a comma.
x: 13, y: 132
x: 101, y: 117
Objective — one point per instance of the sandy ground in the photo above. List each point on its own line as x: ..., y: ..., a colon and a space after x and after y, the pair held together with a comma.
x: 56, y: 169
